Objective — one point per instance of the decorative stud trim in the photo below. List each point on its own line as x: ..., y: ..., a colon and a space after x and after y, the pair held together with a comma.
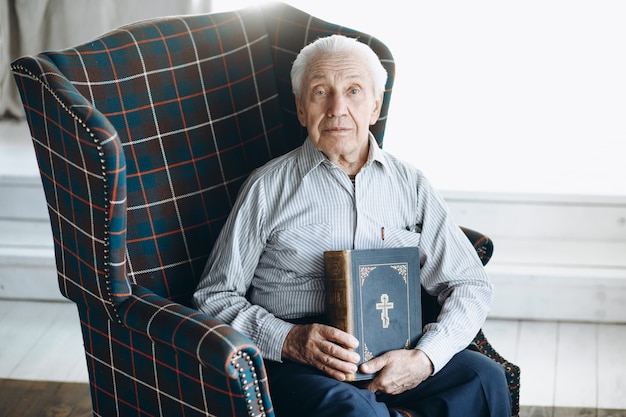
x: 244, y: 366
x: 107, y: 202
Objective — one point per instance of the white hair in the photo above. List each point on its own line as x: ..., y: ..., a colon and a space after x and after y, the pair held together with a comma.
x: 337, y: 44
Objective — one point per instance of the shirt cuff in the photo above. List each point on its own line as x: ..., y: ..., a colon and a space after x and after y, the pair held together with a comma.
x: 272, y: 335
x: 437, y: 349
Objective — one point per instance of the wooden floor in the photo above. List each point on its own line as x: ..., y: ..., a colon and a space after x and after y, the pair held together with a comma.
x: 25, y: 398
x: 568, y: 369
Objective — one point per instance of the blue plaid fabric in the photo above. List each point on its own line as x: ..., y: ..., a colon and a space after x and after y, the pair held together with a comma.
x: 143, y: 137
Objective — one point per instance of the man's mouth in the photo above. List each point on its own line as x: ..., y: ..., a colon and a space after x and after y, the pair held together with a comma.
x: 337, y: 129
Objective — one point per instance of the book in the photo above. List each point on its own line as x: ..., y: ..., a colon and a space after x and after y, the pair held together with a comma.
x: 375, y: 295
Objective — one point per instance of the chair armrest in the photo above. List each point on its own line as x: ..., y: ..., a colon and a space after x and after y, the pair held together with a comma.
x: 211, y: 342
x: 482, y: 345
x: 202, y: 338
x: 484, y: 248
x: 482, y: 243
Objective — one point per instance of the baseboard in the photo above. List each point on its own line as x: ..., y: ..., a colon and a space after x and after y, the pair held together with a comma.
x: 546, y: 264
x: 538, y: 411
x: 555, y: 257
x: 27, y: 264
x: 28, y: 274
x: 26, y: 199
x: 559, y: 294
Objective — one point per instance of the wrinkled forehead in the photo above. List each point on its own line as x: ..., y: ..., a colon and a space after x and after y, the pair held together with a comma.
x: 338, y: 66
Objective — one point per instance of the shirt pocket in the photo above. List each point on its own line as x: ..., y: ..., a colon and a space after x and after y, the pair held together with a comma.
x: 397, y: 237
x: 299, y: 250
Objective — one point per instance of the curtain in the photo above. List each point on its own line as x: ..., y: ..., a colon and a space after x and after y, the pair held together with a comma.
x: 28, y: 27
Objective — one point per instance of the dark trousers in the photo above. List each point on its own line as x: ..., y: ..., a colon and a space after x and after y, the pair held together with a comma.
x: 470, y: 385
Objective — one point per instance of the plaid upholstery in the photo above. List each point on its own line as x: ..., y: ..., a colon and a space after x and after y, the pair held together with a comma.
x: 143, y: 137
x: 290, y: 31
x: 483, y: 244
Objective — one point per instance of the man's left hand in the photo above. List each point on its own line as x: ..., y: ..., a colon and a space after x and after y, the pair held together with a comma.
x: 400, y: 371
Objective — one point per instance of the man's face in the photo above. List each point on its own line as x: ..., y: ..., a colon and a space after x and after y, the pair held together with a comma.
x: 338, y: 106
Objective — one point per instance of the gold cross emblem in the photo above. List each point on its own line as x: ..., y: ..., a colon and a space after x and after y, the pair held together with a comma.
x: 384, y: 306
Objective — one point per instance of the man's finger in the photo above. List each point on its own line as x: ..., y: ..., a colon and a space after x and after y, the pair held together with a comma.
x: 339, y: 352
x: 339, y: 336
x: 374, y: 365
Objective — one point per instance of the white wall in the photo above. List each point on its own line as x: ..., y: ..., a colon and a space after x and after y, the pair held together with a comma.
x: 502, y: 96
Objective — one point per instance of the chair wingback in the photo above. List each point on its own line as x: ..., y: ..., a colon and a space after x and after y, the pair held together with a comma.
x: 290, y: 29
x: 83, y: 174
x: 146, y: 133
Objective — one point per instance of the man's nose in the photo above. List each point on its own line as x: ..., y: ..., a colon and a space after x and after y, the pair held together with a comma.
x: 337, y: 106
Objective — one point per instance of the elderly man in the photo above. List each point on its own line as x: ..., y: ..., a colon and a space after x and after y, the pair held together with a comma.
x: 337, y: 191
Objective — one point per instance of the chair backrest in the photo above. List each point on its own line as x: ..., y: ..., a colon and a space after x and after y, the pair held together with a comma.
x: 289, y: 30
x: 145, y: 134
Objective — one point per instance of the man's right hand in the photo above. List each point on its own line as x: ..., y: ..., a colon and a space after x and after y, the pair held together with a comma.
x: 324, y: 347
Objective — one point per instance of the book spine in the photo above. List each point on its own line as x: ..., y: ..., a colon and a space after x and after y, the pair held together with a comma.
x: 339, y: 293
x: 339, y: 290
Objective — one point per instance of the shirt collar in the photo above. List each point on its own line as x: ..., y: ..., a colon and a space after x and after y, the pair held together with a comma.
x: 310, y: 157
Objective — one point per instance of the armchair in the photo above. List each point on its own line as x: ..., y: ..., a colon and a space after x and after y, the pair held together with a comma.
x: 143, y: 137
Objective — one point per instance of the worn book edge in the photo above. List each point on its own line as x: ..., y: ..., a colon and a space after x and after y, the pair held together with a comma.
x: 339, y: 292
x: 339, y: 289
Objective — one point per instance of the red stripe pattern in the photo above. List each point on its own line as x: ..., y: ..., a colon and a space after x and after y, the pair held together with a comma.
x: 143, y: 137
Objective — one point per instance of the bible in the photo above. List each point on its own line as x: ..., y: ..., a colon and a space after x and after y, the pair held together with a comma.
x: 374, y: 294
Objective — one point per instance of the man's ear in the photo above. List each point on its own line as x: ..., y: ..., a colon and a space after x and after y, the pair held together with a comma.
x: 378, y: 104
x: 300, y: 112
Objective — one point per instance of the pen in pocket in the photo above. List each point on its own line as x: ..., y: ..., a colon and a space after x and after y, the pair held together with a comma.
x: 417, y: 228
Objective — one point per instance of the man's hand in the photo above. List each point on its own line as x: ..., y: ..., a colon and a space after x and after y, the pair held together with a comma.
x: 324, y: 347
x: 400, y: 371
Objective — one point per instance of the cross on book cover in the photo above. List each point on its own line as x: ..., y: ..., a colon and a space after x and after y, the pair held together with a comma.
x: 374, y: 294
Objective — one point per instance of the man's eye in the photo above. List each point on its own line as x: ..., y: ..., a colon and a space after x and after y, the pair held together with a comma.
x: 355, y: 91
x: 319, y: 92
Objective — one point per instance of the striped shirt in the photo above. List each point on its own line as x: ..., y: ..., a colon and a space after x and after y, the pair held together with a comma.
x: 267, y: 265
